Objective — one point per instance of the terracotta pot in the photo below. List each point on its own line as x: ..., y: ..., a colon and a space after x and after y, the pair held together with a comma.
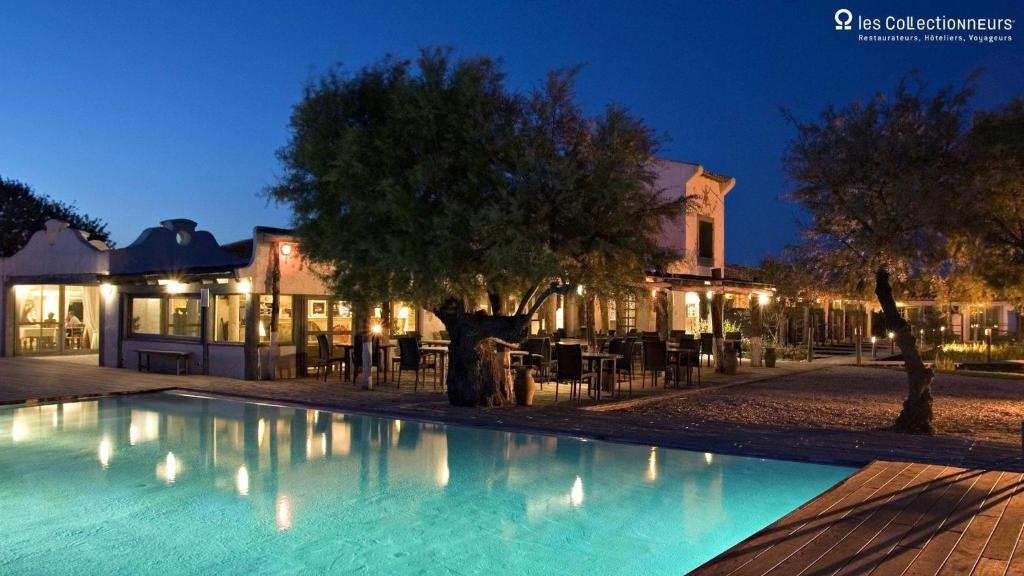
x: 525, y: 387
x: 769, y: 357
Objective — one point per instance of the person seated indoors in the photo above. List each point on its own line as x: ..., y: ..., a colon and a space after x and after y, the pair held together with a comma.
x: 51, y: 320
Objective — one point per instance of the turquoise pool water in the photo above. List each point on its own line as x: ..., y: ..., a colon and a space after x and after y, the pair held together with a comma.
x: 170, y: 484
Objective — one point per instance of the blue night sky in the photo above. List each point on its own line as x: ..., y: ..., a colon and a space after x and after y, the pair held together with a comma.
x: 151, y: 110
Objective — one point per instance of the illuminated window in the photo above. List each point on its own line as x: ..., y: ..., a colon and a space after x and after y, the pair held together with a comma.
x: 285, y: 318
x: 176, y: 316
x: 229, y: 317
x: 145, y: 314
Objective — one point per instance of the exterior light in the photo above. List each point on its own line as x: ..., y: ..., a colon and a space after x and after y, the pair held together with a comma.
x: 579, y: 289
x: 763, y: 299
x: 942, y: 328
x: 654, y: 292
x: 245, y: 286
x: 376, y: 329
x: 108, y: 291
x: 891, y: 335
x: 709, y: 457
x: 286, y: 249
x: 710, y: 294
x: 988, y: 331
x: 403, y: 312
x: 174, y: 287
x: 874, y: 339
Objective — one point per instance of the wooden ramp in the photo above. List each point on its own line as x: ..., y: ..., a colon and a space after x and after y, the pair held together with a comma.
x: 894, y: 518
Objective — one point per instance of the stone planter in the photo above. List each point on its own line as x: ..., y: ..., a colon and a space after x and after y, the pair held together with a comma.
x: 769, y: 357
x: 525, y: 387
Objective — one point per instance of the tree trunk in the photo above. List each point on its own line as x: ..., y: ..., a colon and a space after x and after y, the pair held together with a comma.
x: 717, y: 313
x: 477, y: 374
x: 916, y: 416
x: 756, y: 330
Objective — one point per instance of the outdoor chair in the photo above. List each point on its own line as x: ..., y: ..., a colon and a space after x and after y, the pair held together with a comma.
x: 324, y: 359
x: 690, y: 349
x: 707, y: 345
x: 624, y: 365
x: 655, y: 360
x: 411, y: 358
x: 676, y: 335
x: 540, y: 354
x: 570, y: 369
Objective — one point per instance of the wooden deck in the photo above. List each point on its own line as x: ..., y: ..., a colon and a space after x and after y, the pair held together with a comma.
x: 894, y: 518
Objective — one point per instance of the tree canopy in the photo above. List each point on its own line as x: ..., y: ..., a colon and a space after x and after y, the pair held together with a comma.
x: 430, y: 181
x: 23, y: 212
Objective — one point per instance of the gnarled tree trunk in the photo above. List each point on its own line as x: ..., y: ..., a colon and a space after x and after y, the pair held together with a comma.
x: 916, y: 416
x: 477, y: 373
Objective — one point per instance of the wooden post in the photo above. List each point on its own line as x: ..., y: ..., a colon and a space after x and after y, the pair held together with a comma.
x: 717, y: 313
x: 756, y: 329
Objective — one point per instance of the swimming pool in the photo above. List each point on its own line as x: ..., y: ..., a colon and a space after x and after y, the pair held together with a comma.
x: 169, y: 484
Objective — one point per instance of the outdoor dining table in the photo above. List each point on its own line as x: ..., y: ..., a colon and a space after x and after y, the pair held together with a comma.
x: 601, y: 358
x: 384, y: 349
x: 679, y: 354
x: 429, y: 342
x: 442, y: 355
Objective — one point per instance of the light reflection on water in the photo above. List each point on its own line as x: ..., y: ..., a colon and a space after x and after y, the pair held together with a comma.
x: 219, y: 479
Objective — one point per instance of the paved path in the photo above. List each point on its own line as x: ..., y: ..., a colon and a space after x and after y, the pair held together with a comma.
x: 894, y: 518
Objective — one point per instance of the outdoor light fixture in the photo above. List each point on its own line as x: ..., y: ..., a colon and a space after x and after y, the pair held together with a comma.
x: 763, y: 299
x: 891, y: 335
x: 376, y: 329
x: 245, y: 286
x: 710, y: 294
x: 108, y: 291
x: 175, y: 287
x: 286, y: 249
x: 579, y: 289
x: 874, y: 339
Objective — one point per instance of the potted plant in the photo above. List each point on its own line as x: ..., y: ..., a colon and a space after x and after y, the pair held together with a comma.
x: 769, y: 351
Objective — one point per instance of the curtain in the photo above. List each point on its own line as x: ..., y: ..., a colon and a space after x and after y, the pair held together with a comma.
x: 90, y: 311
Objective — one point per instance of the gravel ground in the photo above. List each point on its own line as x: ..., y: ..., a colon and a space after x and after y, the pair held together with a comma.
x: 852, y: 398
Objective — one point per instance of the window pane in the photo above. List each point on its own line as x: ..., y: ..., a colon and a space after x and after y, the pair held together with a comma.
x: 284, y: 319
x: 145, y: 313
x: 229, y: 318
x: 403, y: 318
x: 183, y: 316
x: 706, y: 247
x: 341, y: 322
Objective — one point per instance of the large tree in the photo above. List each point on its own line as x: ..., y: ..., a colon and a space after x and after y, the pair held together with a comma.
x: 23, y: 212
x: 991, y: 212
x: 879, y: 180
x: 431, y: 181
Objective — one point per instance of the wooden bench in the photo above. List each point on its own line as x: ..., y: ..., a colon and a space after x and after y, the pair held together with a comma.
x: 180, y: 359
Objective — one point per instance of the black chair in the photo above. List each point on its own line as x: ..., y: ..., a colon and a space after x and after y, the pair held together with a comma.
x: 736, y: 337
x: 707, y: 345
x: 540, y: 354
x: 655, y: 360
x: 570, y: 369
x: 411, y: 358
x: 623, y: 365
x: 690, y: 350
x: 676, y: 335
x: 324, y: 359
